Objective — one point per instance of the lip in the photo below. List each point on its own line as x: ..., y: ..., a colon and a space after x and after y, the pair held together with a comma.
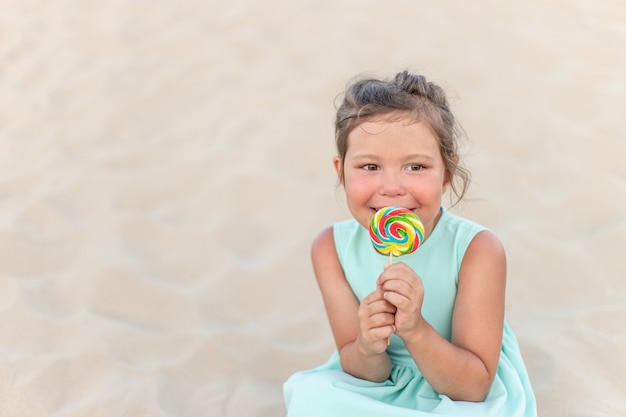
x: 375, y: 209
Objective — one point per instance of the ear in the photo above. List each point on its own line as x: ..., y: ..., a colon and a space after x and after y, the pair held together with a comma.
x: 446, y: 183
x: 338, y: 163
x: 449, y: 175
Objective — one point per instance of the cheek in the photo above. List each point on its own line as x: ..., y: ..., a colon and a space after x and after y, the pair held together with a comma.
x: 356, y: 182
x: 432, y: 186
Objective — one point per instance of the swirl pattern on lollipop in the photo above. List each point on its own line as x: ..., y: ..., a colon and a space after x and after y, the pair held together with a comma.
x: 396, y: 231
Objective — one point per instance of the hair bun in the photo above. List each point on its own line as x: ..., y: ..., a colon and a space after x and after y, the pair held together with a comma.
x: 418, y: 85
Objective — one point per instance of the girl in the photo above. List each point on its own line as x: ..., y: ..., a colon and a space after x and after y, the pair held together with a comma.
x: 451, y: 353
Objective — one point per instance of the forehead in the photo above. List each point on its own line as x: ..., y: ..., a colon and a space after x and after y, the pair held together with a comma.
x: 400, y: 118
x: 390, y: 127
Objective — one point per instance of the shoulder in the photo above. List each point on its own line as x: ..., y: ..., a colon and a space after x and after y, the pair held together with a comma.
x: 337, y: 238
x: 324, y: 242
x: 331, y: 246
x: 485, y: 252
x: 324, y: 253
x: 486, y: 240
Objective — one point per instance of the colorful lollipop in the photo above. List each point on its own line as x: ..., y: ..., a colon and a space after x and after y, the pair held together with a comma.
x: 396, y: 231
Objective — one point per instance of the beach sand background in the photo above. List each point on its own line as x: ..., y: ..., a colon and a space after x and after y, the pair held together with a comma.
x: 164, y: 167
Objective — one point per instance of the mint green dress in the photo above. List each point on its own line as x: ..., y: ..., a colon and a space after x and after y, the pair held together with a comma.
x: 327, y: 391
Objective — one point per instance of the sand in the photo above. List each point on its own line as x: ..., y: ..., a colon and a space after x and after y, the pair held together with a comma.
x: 164, y: 167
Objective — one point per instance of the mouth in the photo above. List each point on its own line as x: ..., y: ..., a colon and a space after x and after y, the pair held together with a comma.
x: 373, y: 210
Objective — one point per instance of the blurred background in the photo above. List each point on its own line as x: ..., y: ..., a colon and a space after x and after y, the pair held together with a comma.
x: 164, y: 167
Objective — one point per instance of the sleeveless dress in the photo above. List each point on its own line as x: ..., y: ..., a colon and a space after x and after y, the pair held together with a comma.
x: 327, y: 391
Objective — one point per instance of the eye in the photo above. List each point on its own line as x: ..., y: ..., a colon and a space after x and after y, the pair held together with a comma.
x: 415, y: 167
x: 370, y: 167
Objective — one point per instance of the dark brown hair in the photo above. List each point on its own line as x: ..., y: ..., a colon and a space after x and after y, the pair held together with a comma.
x: 407, y: 95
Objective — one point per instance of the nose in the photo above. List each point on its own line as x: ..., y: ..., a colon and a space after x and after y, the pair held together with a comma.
x: 391, y: 184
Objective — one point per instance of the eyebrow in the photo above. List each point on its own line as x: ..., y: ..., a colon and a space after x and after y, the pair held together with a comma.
x: 365, y: 156
x: 420, y: 156
x: 408, y: 157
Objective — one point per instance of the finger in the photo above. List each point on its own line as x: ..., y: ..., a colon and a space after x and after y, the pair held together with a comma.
x: 384, y: 307
x: 382, y: 333
x: 374, y: 304
x: 381, y: 306
x: 381, y: 320
x: 374, y: 299
x: 400, y: 301
x: 401, y: 297
x: 398, y: 272
x: 397, y: 285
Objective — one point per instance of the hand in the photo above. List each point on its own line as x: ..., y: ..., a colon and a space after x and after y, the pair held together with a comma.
x: 403, y: 288
x: 376, y: 322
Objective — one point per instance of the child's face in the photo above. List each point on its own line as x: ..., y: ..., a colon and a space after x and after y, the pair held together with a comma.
x: 393, y: 163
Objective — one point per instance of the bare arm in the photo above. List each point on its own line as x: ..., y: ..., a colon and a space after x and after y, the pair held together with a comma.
x: 360, y: 329
x: 464, y: 368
